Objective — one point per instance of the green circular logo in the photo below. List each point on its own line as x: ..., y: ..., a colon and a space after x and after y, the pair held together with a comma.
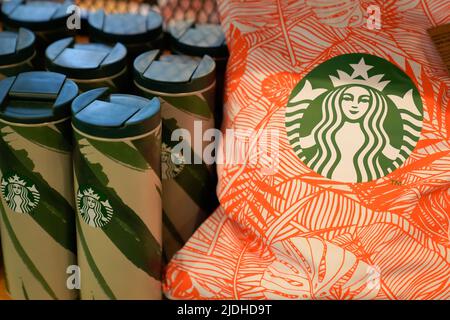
x: 354, y: 118
x: 20, y: 193
x: 93, y: 206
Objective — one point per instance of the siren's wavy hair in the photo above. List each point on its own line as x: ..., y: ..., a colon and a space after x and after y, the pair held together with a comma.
x: 26, y: 204
x: 97, y: 209
x: 366, y: 161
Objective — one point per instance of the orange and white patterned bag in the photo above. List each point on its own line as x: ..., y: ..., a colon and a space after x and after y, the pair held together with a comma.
x: 358, y: 206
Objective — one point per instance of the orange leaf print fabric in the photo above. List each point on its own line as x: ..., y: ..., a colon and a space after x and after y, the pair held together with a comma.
x: 359, y: 204
x: 278, y: 87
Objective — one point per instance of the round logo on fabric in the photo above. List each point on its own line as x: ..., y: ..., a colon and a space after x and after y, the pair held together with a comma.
x: 354, y: 118
x: 20, y: 193
x: 94, y: 207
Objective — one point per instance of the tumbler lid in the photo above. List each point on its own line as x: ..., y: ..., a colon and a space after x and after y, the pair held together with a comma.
x: 101, y: 114
x: 36, y: 97
x: 16, y: 47
x: 173, y: 73
x: 36, y: 15
x: 85, y: 60
x: 125, y: 27
x: 198, y: 39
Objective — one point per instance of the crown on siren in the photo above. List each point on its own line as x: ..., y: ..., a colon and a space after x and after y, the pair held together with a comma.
x: 359, y: 77
x: 16, y: 180
x: 90, y: 193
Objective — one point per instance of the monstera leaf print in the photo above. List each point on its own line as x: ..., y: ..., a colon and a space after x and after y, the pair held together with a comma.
x: 351, y: 13
x: 412, y: 21
x: 311, y: 268
x: 432, y: 215
x: 437, y: 11
x: 277, y: 88
x: 182, y: 285
x: 250, y: 195
x: 338, y: 13
x: 427, y: 168
x: 307, y: 236
x: 237, y: 61
x: 251, y: 30
x: 227, y: 264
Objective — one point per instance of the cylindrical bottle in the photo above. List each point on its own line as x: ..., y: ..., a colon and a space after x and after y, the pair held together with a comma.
x: 137, y: 32
x: 16, y: 52
x: 37, y: 214
x: 90, y: 65
x: 118, y: 195
x: 185, y: 86
x: 47, y: 19
x: 199, y: 40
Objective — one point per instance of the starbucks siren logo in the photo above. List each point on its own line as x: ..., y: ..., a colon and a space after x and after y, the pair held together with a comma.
x: 354, y: 118
x: 93, y: 207
x: 20, y: 194
x: 170, y: 168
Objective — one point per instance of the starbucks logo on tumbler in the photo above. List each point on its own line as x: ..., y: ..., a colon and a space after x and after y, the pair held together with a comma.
x: 354, y: 118
x: 93, y: 207
x: 171, y: 163
x: 20, y: 194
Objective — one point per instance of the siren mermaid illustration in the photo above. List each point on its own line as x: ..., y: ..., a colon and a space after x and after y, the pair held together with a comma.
x: 91, y: 208
x: 350, y: 142
x: 350, y: 136
x: 19, y: 197
x: 170, y: 168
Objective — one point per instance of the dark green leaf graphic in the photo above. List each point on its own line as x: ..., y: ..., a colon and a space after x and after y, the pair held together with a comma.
x: 171, y: 232
x: 192, y: 104
x: 90, y: 260
x: 159, y: 191
x: 122, y: 153
x: 54, y: 214
x: 24, y: 256
x: 25, y: 293
x: 126, y: 230
x: 150, y: 149
x: 197, y: 182
x: 65, y: 128
x: 195, y: 179
x: 45, y: 137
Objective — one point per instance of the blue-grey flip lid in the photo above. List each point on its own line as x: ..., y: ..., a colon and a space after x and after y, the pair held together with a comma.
x: 35, y: 15
x: 101, y: 114
x: 16, y: 47
x: 36, y: 97
x: 85, y: 60
x: 173, y: 73
x: 125, y: 27
x: 198, y: 39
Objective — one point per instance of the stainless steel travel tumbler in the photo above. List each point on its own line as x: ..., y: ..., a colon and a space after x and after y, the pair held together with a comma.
x: 118, y: 195
x: 36, y: 207
x: 186, y: 87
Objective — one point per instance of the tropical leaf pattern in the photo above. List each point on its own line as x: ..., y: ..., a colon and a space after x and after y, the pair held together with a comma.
x: 25, y: 258
x: 55, y: 214
x: 127, y: 230
x: 296, y: 234
x: 43, y: 155
x: 191, y: 184
x: 112, y: 170
x: 312, y: 268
